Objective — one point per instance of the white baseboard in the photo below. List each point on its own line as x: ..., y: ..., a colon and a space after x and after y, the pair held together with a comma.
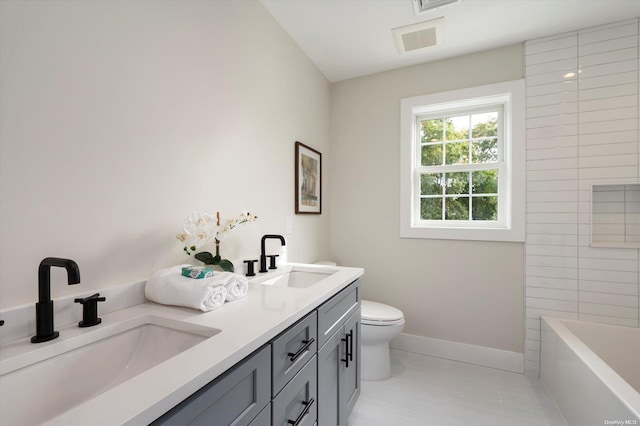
x: 479, y: 355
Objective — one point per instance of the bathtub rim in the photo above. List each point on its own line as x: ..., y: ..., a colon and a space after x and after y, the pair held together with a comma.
x: 628, y: 395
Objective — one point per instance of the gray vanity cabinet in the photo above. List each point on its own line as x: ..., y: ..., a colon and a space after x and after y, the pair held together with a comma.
x: 339, y: 357
x: 237, y: 397
x: 309, y: 375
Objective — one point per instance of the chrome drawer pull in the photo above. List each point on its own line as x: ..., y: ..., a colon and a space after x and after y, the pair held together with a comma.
x: 307, y: 343
x: 307, y: 405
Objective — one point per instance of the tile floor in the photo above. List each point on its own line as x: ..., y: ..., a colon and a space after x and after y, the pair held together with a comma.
x: 427, y: 391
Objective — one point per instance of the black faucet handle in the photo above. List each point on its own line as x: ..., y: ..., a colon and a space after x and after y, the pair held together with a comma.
x: 272, y: 261
x: 95, y: 297
x: 250, y: 270
x: 90, y: 310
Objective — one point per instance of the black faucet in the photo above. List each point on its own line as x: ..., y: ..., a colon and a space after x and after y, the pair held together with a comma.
x: 44, y: 307
x: 263, y: 257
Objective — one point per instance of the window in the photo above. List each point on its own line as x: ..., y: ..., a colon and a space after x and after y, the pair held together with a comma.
x: 460, y: 162
x: 463, y: 164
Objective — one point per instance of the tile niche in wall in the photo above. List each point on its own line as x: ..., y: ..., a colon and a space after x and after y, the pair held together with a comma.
x: 615, y: 215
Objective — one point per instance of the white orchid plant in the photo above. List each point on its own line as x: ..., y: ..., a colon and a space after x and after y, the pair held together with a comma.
x: 204, y: 228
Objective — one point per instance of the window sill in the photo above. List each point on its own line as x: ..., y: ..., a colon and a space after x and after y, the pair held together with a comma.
x: 459, y: 233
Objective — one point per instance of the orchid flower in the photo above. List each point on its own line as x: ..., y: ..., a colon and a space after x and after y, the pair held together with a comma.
x: 244, y: 217
x: 203, y: 228
x: 199, y: 230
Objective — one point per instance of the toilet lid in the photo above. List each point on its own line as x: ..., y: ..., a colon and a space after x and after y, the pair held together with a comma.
x: 379, y: 312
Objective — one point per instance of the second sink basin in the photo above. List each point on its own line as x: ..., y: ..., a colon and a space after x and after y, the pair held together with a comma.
x: 61, y: 376
x: 296, y: 279
x: 299, y: 277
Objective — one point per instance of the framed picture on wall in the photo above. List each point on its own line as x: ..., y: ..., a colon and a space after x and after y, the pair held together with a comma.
x: 308, y: 180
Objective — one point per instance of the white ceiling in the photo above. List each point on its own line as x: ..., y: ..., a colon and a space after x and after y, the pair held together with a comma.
x: 351, y: 38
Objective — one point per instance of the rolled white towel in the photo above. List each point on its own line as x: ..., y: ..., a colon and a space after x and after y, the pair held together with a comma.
x: 169, y: 287
x: 237, y: 285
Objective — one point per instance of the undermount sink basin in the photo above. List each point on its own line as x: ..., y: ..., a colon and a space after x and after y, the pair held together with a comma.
x: 48, y: 381
x: 297, y: 278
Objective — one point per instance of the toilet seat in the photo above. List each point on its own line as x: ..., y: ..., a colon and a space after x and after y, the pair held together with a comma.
x: 379, y: 314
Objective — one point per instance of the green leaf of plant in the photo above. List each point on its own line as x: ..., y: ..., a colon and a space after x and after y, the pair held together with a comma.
x: 206, y: 258
x: 226, y: 265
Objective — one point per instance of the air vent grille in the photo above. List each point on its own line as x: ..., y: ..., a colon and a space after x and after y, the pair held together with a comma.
x: 419, y: 36
x: 422, y: 6
x: 419, y: 39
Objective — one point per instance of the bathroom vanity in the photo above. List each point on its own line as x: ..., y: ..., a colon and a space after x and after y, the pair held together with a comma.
x: 307, y: 375
x: 287, y: 353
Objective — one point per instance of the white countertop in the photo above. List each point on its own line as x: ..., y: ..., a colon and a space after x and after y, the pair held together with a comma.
x: 245, y: 325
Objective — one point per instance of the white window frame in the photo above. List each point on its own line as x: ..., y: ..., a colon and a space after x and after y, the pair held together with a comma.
x: 511, y: 175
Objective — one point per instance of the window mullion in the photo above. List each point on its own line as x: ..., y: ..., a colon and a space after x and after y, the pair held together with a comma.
x: 444, y: 141
x: 452, y: 168
x: 444, y: 196
x: 470, y: 197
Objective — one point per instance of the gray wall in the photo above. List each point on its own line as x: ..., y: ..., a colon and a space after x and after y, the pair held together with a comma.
x: 117, y: 119
x: 462, y: 291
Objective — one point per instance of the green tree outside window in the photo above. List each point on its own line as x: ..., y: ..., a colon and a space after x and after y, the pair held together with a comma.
x: 460, y: 140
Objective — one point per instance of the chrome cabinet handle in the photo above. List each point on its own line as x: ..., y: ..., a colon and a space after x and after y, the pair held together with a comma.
x: 307, y: 343
x: 307, y: 405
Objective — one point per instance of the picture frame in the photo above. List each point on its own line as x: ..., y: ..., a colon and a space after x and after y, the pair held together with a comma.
x: 308, y: 193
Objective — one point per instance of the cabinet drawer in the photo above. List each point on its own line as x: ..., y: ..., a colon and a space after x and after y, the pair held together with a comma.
x: 292, y: 350
x: 264, y: 418
x: 234, y: 398
x: 333, y: 313
x: 298, y: 402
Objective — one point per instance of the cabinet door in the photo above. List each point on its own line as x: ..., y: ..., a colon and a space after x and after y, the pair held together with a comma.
x: 328, y: 373
x: 349, y: 379
x: 234, y: 398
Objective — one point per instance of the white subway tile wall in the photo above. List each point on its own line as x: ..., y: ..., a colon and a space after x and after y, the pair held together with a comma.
x: 582, y: 130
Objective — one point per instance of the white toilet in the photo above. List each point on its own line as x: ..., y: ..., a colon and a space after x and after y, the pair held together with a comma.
x: 380, y: 324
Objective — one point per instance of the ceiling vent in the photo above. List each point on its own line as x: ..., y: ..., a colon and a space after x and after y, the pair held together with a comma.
x: 422, y: 6
x: 419, y: 36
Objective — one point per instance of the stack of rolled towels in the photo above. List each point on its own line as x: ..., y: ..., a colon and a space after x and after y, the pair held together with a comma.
x: 170, y: 287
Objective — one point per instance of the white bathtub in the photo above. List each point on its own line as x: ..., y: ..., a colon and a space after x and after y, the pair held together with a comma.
x: 592, y: 371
